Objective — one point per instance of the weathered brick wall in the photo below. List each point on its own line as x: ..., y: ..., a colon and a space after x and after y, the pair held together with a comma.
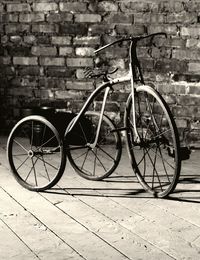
x: 46, y: 44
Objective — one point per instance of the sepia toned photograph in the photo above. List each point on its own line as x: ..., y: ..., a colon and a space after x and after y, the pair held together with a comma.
x: 99, y: 129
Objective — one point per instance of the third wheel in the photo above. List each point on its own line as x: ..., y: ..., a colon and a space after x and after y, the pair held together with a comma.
x: 99, y: 161
x: 155, y: 154
x: 36, y: 153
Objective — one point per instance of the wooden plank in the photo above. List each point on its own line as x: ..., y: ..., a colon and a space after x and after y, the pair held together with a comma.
x: 12, y: 247
x: 66, y: 228
x: 36, y: 237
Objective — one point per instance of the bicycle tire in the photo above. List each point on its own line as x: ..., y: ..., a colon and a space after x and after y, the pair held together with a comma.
x: 99, y: 162
x: 155, y: 159
x: 36, y: 153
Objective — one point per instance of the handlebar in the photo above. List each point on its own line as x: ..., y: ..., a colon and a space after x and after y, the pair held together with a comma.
x: 131, y: 38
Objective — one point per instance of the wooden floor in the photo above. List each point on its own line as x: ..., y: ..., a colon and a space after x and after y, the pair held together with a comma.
x: 113, y: 219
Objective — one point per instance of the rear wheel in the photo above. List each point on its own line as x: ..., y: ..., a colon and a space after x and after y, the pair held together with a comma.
x: 155, y: 157
x: 98, y: 162
x: 36, y: 153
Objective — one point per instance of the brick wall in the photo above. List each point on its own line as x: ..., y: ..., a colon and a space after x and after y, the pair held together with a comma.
x: 46, y: 44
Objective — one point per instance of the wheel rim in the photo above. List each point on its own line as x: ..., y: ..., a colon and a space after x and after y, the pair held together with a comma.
x: 155, y: 157
x: 100, y: 161
x: 35, y: 154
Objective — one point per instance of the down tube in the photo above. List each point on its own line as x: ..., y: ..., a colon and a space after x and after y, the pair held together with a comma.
x: 88, y: 102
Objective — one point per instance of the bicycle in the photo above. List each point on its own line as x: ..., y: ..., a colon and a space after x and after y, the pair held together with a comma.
x: 151, y: 136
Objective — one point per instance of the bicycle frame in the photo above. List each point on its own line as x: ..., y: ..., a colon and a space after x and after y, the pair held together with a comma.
x: 134, y: 67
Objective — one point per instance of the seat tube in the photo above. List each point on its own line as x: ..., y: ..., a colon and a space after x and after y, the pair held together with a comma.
x: 137, y: 139
x: 101, y: 116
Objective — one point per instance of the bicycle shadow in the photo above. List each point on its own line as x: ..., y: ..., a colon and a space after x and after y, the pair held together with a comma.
x: 109, y: 187
x: 188, y: 189
x: 183, y: 192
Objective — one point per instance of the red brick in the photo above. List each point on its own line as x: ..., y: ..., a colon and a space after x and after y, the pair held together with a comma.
x: 101, y: 29
x: 59, y: 17
x: 16, y: 39
x: 5, y: 60
x: 192, y: 31
x: 194, y: 67
x: 84, y: 51
x: 43, y: 51
x: 61, y: 72
x: 193, y: 43
x: 168, y: 29
x: 75, y: 7
x: 130, y: 30
x: 52, y: 61
x: 44, y: 7
x: 28, y: 70
x: 87, y: 85
x: 17, y: 28
x: 30, y: 39
x: 171, y: 66
x: 129, y: 6
x: 106, y: 6
x: 65, y: 51
x: 61, y: 40
x: 79, y: 62
x: 190, y: 100
x: 87, y: 40
x: 73, y: 29
x: 87, y: 18
x: 31, y: 17
x: 186, y: 54
x: 18, y: 7
x: 44, y: 28
x: 183, y: 18
x: 25, y: 61
x: 119, y: 18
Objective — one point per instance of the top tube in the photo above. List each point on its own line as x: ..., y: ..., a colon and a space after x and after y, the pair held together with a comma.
x: 130, y: 38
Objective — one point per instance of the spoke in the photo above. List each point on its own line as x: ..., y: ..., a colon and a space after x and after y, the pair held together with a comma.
x: 43, y: 160
x: 45, y: 168
x: 144, y: 164
x: 151, y: 108
x: 50, y: 139
x: 105, y: 152
x: 20, y: 154
x: 95, y: 159
x: 30, y: 170
x: 86, y: 154
x: 22, y: 163
x: 79, y: 156
x: 20, y: 145
x: 84, y: 135
x: 99, y: 161
x: 34, y: 171
x: 142, y: 156
x: 155, y: 169
x: 164, y: 164
x: 163, y: 158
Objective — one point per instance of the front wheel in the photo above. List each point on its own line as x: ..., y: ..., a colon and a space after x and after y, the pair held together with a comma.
x: 89, y: 161
x: 155, y: 155
x: 35, y: 153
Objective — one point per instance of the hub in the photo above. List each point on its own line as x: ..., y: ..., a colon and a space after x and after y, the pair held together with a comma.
x: 30, y: 153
